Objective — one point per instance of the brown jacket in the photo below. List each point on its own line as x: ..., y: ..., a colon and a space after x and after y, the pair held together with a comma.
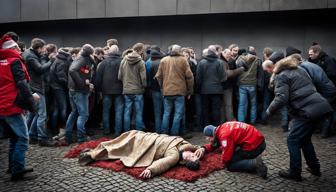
x: 139, y: 149
x: 174, y: 76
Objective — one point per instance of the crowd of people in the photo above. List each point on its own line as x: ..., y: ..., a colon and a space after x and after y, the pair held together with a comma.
x: 51, y: 91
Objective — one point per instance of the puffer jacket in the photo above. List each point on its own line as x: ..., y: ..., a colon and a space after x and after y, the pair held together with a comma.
x: 59, y: 71
x: 328, y: 64
x: 294, y: 88
x: 132, y: 73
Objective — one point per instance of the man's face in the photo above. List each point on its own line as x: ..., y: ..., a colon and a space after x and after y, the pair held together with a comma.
x: 227, y: 55
x: 312, y: 54
x: 269, y: 68
x: 234, y: 51
x: 189, y: 156
x: 41, y: 50
x: 100, y: 56
x: 186, y: 55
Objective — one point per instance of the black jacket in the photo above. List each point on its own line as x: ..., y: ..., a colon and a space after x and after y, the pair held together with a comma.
x: 59, y: 71
x: 36, y: 70
x: 154, y: 85
x: 321, y: 81
x: 294, y: 88
x: 210, y: 75
x: 80, y: 71
x: 107, y: 75
x: 328, y: 64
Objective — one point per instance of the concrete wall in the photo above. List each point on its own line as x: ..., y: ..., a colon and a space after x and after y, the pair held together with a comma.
x: 275, y: 29
x: 40, y: 10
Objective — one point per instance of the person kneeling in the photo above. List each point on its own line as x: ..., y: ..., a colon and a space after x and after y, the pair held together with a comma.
x: 241, y: 144
x: 157, y: 152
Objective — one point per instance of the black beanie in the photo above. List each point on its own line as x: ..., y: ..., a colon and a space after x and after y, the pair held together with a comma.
x: 276, y: 56
x: 292, y: 50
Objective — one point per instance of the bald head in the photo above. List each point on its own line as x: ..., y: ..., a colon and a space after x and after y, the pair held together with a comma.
x: 212, y: 48
x: 114, y: 49
x: 205, y: 52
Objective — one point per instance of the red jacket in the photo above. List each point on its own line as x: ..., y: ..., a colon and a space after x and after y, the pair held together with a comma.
x: 8, y: 89
x: 232, y: 134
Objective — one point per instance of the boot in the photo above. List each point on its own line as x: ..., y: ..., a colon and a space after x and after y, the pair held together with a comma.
x: 261, y: 168
x: 316, y: 172
x: 60, y: 135
x: 288, y: 174
x: 23, y: 176
x: 27, y: 169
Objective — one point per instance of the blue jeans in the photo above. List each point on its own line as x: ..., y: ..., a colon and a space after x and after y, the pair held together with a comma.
x: 60, y: 108
x: 243, y: 160
x: 170, y: 103
x: 118, y: 101
x: 79, y: 111
x: 138, y: 102
x: 247, y: 94
x: 38, y: 125
x: 157, y: 104
x: 18, y: 144
x: 266, y: 102
x: 299, y: 137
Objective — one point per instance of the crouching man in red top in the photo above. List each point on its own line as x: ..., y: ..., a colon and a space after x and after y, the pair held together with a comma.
x: 241, y: 144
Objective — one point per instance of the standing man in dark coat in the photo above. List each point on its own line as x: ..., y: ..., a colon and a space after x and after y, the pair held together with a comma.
x: 111, y: 87
x: 294, y: 88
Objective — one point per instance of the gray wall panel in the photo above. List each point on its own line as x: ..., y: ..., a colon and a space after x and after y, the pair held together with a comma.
x: 297, y: 4
x: 62, y: 9
x: 193, y: 6
x: 122, y: 8
x: 331, y: 3
x: 90, y: 8
x: 157, y: 7
x: 9, y: 11
x: 228, y: 6
x: 34, y: 10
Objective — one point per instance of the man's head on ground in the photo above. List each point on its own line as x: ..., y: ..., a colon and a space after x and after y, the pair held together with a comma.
x: 191, y: 161
x: 314, y: 51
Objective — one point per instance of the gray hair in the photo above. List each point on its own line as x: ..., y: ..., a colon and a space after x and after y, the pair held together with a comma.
x: 114, y: 49
x: 176, y: 48
x: 205, y: 52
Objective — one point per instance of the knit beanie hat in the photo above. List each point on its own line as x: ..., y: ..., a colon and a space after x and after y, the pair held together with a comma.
x: 292, y: 50
x: 276, y: 56
x: 209, y: 130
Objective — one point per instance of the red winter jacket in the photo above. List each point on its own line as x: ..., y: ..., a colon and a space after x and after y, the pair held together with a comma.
x: 232, y: 134
x: 8, y: 89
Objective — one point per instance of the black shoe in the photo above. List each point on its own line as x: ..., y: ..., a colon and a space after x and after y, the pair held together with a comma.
x: 27, y: 169
x: 23, y: 176
x: 287, y: 174
x: 33, y: 141
x: 261, y: 168
x: 315, y: 172
x: 46, y: 143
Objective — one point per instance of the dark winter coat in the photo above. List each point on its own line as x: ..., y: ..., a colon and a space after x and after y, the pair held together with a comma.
x: 59, y: 71
x: 80, y: 71
x: 294, y: 88
x: 107, y: 80
x: 36, y: 70
x: 328, y: 64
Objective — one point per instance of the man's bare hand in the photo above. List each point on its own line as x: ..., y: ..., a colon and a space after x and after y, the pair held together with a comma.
x: 188, y: 97
x: 200, y: 152
x: 36, y: 97
x: 146, y: 174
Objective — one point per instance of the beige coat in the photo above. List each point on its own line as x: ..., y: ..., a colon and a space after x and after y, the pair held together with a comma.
x: 139, y: 149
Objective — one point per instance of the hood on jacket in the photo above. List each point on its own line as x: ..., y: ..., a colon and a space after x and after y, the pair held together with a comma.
x: 63, y: 55
x: 211, y: 56
x: 285, y: 64
x: 133, y: 58
x: 9, y: 53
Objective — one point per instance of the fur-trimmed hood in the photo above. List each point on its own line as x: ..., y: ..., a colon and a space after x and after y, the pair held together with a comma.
x: 285, y: 64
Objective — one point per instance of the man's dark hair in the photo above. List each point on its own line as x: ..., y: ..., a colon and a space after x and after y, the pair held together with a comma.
x: 316, y: 48
x: 37, y: 43
x: 13, y: 35
x: 193, y: 165
x: 111, y: 42
x: 51, y: 48
x: 22, y: 46
x: 99, y: 50
x: 75, y: 50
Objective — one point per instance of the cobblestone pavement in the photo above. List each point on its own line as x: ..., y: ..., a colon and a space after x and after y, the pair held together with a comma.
x: 59, y: 174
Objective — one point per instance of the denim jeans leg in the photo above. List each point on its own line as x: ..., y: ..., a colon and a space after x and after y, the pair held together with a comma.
x: 128, y: 112
x: 179, y: 102
x: 139, y: 106
x: 82, y: 104
x: 253, y: 102
x: 42, y: 119
x: 266, y: 103
x: 119, y: 111
x: 167, y: 107
x: 242, y: 109
x: 19, y: 143
x: 33, y: 127
x: 157, y: 105
x: 72, y: 117
x: 107, y: 103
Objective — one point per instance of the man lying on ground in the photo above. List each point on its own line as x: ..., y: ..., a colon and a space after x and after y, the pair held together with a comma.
x: 241, y: 144
x: 156, y: 152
